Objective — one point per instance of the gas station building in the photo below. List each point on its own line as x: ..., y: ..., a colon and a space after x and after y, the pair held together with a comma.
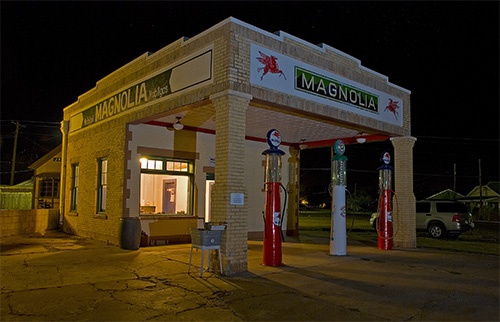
x: 175, y: 138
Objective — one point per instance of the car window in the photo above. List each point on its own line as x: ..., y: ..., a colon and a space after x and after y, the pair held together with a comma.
x: 454, y: 207
x: 423, y: 206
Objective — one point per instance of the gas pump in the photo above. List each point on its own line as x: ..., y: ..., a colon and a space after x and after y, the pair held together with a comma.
x: 273, y: 217
x: 384, y: 225
x: 338, y: 235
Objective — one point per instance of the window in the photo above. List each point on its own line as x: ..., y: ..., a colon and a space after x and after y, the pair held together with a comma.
x: 151, y: 164
x: 102, y: 184
x: 49, y: 188
x: 75, y: 178
x: 451, y: 207
x: 177, y: 166
x: 423, y: 207
x: 167, y: 186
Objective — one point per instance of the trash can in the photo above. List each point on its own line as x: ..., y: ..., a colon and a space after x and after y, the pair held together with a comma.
x: 130, y: 233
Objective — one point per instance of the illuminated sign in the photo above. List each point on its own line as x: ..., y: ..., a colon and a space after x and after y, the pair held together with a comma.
x: 330, y: 88
x: 281, y: 73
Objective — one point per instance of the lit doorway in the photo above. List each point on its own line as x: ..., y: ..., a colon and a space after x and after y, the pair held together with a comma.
x: 168, y: 205
x: 208, y: 199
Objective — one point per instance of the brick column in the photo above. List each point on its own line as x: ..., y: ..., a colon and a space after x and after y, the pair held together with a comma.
x: 404, y: 212
x: 292, y: 221
x: 230, y: 117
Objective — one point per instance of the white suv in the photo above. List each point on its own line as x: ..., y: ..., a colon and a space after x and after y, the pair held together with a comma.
x: 442, y: 218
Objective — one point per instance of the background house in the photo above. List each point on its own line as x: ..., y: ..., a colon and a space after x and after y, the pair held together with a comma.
x: 484, y: 201
x: 46, y: 179
x: 32, y: 206
x: 446, y: 194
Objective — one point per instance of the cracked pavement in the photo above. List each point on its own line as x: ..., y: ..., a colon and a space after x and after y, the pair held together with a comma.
x: 58, y: 277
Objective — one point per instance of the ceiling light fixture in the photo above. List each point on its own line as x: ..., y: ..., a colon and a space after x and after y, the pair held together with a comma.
x: 302, y: 146
x: 359, y: 138
x: 178, y: 125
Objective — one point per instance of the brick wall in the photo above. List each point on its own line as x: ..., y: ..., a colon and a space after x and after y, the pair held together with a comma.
x: 106, y: 140
x: 23, y: 222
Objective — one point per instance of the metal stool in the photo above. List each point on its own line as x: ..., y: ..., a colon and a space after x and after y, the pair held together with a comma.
x: 203, y: 249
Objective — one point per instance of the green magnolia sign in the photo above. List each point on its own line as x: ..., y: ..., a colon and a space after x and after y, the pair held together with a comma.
x: 313, y: 83
x: 193, y: 71
x: 149, y: 90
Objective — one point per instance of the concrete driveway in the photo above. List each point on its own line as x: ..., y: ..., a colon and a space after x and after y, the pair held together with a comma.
x: 65, y: 278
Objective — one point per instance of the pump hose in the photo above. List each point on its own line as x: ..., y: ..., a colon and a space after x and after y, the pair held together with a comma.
x: 283, y: 212
x: 352, y: 223
x: 264, y: 218
x: 378, y: 226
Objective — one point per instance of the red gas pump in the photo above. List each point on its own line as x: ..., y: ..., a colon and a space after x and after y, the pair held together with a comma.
x: 384, y: 226
x: 273, y: 217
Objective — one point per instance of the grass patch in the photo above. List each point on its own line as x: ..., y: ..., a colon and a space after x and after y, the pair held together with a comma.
x: 314, y: 226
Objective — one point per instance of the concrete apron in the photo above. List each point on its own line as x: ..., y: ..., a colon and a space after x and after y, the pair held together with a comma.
x: 61, y: 277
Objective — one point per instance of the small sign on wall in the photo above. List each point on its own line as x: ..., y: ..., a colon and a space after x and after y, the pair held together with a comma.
x: 237, y: 199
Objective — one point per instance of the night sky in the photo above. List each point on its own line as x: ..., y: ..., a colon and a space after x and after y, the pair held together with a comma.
x: 445, y: 53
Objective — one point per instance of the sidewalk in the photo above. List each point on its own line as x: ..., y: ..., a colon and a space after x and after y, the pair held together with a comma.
x: 66, y: 278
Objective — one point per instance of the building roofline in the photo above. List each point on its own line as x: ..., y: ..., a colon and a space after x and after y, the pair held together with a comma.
x: 45, y: 158
x: 281, y: 35
x: 278, y: 35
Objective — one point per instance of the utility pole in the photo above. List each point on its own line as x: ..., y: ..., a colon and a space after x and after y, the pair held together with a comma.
x: 13, y: 169
x: 454, y: 177
x: 480, y: 189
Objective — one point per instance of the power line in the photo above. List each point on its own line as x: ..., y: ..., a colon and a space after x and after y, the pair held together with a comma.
x: 447, y: 138
x: 33, y: 122
x: 375, y: 171
x: 17, y: 171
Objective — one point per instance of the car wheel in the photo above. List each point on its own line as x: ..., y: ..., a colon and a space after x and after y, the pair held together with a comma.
x: 436, y: 230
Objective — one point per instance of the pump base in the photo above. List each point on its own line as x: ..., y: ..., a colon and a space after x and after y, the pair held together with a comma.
x: 278, y: 265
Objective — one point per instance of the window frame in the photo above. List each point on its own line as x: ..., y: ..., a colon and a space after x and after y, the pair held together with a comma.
x: 102, y: 184
x: 75, y: 182
x: 49, y: 188
x: 166, y: 162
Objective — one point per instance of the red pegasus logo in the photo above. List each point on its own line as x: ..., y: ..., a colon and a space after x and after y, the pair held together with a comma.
x: 270, y: 65
x: 392, y: 107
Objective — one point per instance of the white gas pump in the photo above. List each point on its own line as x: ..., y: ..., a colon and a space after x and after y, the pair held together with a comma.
x: 338, y: 234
